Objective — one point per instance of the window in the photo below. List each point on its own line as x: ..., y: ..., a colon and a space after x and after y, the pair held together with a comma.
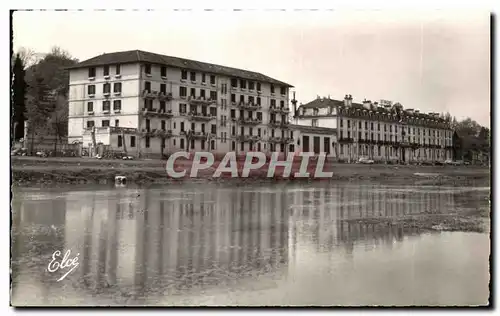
x: 233, y: 130
x: 341, y: 134
x: 360, y: 125
x: 193, y: 127
x: 214, y: 129
x: 90, y: 124
x: 182, y: 91
x: 106, y: 105
x: 242, y: 98
x: 92, y: 72
x: 117, y: 105
x: 213, y: 95
x: 273, y: 103
x: 120, y: 141
x: 117, y: 123
x: 234, y: 82
x: 315, y: 122
x: 213, y: 111
x: 233, y: 113
x: 147, y: 69
x: 147, y: 141
x: 184, y: 74
x: 366, y: 125
x: 106, y: 70
x: 164, y: 72
x: 396, y: 129
x: 243, y: 84
x: 251, y: 99
x: 91, y: 89
x: 162, y: 106
x: 117, y: 69
x: 147, y: 86
x: 105, y: 123
x: 258, y: 101
x: 233, y: 145
x: 258, y: 86
x: 182, y: 126
x: 251, y: 85
x: 163, y: 88
x: 242, y: 146
x: 192, y: 76
x: 359, y: 135
x: 378, y: 127
x: 203, y: 78
x: 259, y: 116
x: 117, y: 87
x: 212, y: 79
x: 182, y: 143
x: 193, y: 92
x: 348, y: 124
x: 224, y: 88
x: 212, y: 144
x: 283, y: 90
x: 192, y: 143
x: 341, y: 124
x: 282, y: 104
x: 90, y: 106
x: 202, y: 93
x: 132, y: 141
x: 272, y: 88
x: 182, y: 108
x: 106, y: 88
x: 385, y: 128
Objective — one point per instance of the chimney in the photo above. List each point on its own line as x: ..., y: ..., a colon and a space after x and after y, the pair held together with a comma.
x: 346, y: 100
x: 367, y: 104
x: 294, y: 103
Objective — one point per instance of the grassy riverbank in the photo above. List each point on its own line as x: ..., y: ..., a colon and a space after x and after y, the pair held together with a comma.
x: 28, y: 171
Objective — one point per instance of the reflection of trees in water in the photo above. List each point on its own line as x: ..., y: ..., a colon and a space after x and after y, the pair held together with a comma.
x: 38, y: 231
x: 345, y: 215
x: 168, y: 242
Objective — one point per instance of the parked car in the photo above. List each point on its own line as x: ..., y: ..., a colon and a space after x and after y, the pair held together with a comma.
x: 365, y: 160
x: 19, y: 152
x: 128, y: 158
x: 453, y: 163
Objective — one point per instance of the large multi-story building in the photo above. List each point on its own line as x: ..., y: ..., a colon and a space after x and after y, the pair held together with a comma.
x: 149, y: 104
x: 380, y: 131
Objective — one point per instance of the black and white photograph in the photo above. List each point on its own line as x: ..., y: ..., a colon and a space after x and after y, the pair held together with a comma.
x: 263, y: 158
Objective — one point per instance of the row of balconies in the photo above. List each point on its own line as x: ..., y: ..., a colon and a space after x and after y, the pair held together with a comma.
x: 275, y: 109
x: 162, y: 96
x: 390, y: 143
x: 157, y: 112
x: 156, y: 133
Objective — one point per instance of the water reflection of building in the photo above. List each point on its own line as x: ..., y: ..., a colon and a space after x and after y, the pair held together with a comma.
x: 344, y: 215
x: 177, y: 237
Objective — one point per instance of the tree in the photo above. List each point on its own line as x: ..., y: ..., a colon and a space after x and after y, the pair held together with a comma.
x: 52, y: 68
x: 58, y: 119
x: 18, y: 100
x: 38, y: 108
x: 468, y: 127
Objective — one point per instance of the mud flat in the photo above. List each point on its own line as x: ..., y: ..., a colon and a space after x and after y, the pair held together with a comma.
x: 29, y: 171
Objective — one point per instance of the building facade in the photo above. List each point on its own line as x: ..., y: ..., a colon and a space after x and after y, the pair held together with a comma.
x: 382, y: 131
x: 148, y: 104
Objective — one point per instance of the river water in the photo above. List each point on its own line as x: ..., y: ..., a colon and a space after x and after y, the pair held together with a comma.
x: 268, y: 245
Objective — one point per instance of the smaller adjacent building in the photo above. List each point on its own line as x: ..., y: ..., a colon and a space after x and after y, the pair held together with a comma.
x: 381, y: 131
x: 319, y: 140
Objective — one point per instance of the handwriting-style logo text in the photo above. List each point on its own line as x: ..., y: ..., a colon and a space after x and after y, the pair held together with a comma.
x: 65, y: 263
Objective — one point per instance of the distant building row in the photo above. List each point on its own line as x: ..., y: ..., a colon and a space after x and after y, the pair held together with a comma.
x: 150, y: 104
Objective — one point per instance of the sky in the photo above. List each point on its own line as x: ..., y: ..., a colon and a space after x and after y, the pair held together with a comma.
x: 434, y: 61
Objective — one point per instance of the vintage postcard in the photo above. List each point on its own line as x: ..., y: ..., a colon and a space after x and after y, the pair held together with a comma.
x: 250, y: 158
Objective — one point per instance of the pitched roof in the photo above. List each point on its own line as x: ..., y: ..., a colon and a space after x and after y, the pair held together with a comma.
x: 322, y: 103
x: 135, y: 56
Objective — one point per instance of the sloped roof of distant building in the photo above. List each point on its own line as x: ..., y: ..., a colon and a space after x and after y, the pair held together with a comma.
x: 322, y: 103
x: 136, y: 56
